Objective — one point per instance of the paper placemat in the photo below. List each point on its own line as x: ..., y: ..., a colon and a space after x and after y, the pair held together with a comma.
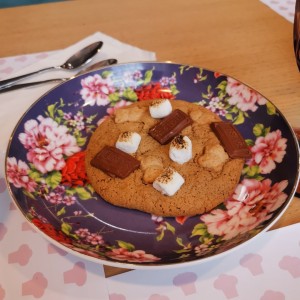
x: 265, y: 269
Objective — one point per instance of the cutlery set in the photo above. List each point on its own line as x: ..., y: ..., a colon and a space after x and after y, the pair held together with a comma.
x: 77, y: 60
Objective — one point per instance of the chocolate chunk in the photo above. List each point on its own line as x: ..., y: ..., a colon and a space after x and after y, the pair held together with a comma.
x: 115, y: 162
x: 231, y: 139
x: 170, y: 126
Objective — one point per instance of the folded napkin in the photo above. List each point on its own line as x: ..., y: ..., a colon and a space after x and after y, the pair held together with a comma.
x: 14, y: 104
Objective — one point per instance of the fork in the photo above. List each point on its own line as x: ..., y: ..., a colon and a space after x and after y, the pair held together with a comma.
x: 297, y: 33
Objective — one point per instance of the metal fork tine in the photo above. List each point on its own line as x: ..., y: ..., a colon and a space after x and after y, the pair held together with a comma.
x: 297, y: 33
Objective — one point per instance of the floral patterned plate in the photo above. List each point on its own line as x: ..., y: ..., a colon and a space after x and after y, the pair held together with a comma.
x: 47, y: 180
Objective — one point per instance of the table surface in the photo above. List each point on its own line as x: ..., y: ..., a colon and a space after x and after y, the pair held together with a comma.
x: 242, y: 38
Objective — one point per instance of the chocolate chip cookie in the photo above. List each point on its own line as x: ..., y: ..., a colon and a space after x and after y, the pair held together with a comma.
x: 210, y: 175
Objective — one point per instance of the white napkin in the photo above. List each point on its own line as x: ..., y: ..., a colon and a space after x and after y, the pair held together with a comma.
x: 285, y: 8
x: 15, y: 103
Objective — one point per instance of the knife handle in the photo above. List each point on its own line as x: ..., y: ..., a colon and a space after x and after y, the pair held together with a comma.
x: 8, y: 82
x: 28, y: 84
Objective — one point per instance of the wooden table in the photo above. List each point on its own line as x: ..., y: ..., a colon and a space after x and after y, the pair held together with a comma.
x: 242, y: 38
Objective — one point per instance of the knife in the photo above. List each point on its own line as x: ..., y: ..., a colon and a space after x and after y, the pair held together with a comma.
x: 98, y: 65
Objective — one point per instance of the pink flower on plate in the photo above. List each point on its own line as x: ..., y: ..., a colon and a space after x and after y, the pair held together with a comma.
x: 82, y: 232
x: 242, y: 216
x: 17, y: 174
x: 95, y: 90
x: 242, y: 96
x: 47, y: 143
x: 137, y: 256
x: 268, y: 150
x: 94, y: 239
x: 54, y: 198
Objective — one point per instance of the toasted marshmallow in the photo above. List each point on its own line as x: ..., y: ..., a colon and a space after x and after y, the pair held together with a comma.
x: 160, y: 108
x: 128, y: 142
x: 169, y: 182
x: 181, y: 149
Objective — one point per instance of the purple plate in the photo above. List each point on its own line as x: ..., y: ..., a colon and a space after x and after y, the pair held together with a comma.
x: 46, y: 176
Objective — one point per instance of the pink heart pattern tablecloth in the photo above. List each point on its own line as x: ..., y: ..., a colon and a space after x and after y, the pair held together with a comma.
x: 267, y: 269
x: 33, y: 268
